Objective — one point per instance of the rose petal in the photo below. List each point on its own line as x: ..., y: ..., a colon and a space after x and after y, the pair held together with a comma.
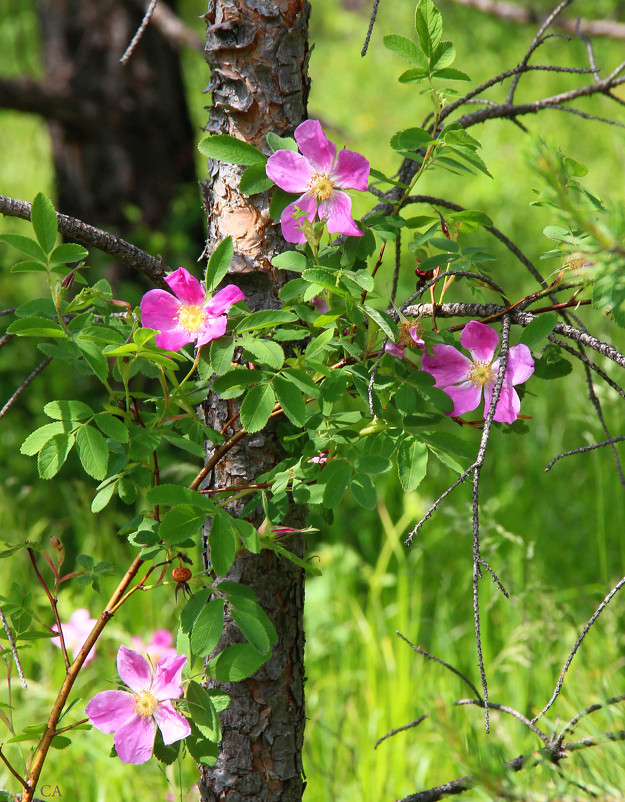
x: 480, y: 340
x: 337, y: 208
x: 520, y: 364
x: 315, y: 146
x: 291, y: 226
x: 159, y: 310
x: 466, y: 396
x: 351, y: 170
x: 133, y: 669
x: 108, y: 710
x: 167, y: 677
x: 186, y: 287
x: 289, y: 170
x: 395, y: 350
x: 508, y: 405
x: 213, y: 327
x: 134, y: 740
x: 173, y: 726
x: 223, y: 300
x: 448, y: 365
x: 174, y: 339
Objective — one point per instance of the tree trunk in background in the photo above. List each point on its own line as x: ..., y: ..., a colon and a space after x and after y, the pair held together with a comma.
x: 120, y: 133
x: 258, y: 54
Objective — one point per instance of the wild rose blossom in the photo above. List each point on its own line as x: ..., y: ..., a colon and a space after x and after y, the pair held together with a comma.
x: 160, y: 645
x: 409, y: 334
x: 189, y: 315
x: 463, y: 379
x: 318, y: 175
x: 133, y: 716
x: 320, y: 304
x: 75, y: 633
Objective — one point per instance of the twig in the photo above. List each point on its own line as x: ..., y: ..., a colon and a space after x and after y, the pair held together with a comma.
x: 374, y: 13
x: 584, y: 449
x: 11, y: 769
x: 24, y: 385
x: 396, y: 269
x: 75, y: 229
x: 53, y: 605
x: 432, y: 508
x: 140, y: 31
x: 13, y: 646
x: 570, y: 725
x: 405, y: 727
x: 569, y: 660
x: 510, y: 711
x: 598, y: 409
x: 587, y: 363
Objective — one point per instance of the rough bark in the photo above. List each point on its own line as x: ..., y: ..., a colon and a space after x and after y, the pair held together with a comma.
x: 120, y: 134
x: 258, y: 54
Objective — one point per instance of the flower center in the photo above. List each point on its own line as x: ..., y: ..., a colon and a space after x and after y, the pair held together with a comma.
x: 481, y: 373
x: 191, y: 318
x: 143, y: 703
x: 321, y: 186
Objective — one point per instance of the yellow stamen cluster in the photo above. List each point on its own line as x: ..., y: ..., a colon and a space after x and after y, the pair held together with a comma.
x: 481, y: 373
x: 321, y: 186
x: 191, y: 318
x: 143, y: 703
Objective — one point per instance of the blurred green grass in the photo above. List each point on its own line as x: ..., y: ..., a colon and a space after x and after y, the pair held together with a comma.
x: 556, y: 539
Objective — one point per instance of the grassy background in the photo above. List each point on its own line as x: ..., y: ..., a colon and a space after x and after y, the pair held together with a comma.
x: 556, y: 540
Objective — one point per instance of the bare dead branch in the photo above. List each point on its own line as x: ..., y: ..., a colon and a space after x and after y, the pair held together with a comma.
x: 514, y: 13
x: 570, y: 725
x: 584, y: 449
x: 140, y: 31
x: 587, y: 363
x: 594, y: 399
x: 78, y: 231
x: 511, y: 712
x: 374, y: 14
x: 14, y: 651
x: 175, y: 30
x: 578, y: 643
x: 24, y: 385
x: 397, y: 730
x: 7, y: 311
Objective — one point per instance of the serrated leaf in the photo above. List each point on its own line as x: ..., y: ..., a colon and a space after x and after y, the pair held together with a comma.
x: 193, y: 608
x: 266, y: 352
x: 67, y: 253
x: 372, y: 463
x: 35, y: 327
x: 451, y: 74
x: 266, y: 319
x: 28, y: 267
x: 248, y: 534
x: 290, y: 260
x: 537, y: 331
x: 429, y: 25
x: 53, y: 454
x: 37, y: 439
x: 276, y: 142
x: 405, y: 48
x: 102, y: 497
x: 112, y: 427
x: 43, y: 219
x: 207, y: 629
x: 67, y: 410
x: 223, y: 544
x: 92, y: 355
x: 411, y: 139
x: 219, y: 263
x: 255, y: 180
x: 291, y: 400
x: 235, y: 663
x: 252, y: 630
x: 180, y: 524
x: 221, y: 354
x: 203, y: 711
x: 444, y: 56
x: 363, y: 490
x: 231, y: 150
x: 413, y: 76
x: 93, y: 451
x: 26, y: 245
x: 257, y: 406
x: 170, y: 495
x: 412, y: 461
x: 335, y: 478
x: 384, y: 321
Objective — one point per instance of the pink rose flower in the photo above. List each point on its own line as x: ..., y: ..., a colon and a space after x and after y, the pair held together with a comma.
x: 133, y: 716
x: 75, y: 633
x: 318, y: 175
x: 160, y: 645
x: 463, y: 378
x: 321, y: 458
x: 320, y: 304
x: 406, y: 334
x: 395, y: 350
x: 187, y: 316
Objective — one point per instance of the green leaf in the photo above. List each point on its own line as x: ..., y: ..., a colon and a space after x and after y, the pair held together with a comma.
x: 92, y: 355
x: 290, y: 260
x: 266, y: 352
x: 203, y: 712
x: 451, y: 74
x: 67, y: 253
x: 235, y: 663
x: 363, y: 491
x: 302, y: 381
x: 170, y: 495
x: 536, y: 331
x: 102, y: 497
x: 551, y: 365
x: 335, y: 478
x: 412, y: 462
x: 444, y: 56
x: 112, y: 427
x: 291, y: 400
x: 429, y: 25
x: 234, y: 382
x: 472, y: 216
x: 68, y: 410
x: 257, y: 406
x: 180, y: 524
x: 279, y: 201
x: 25, y: 245
x: 405, y: 48
x: 229, y: 149
x: 266, y: 319
x: 255, y: 180
x: 93, y: 451
x: 319, y: 343
x: 179, y: 441
x: 193, y: 608
x: 53, y: 455
x: 35, y: 327
x: 37, y: 439
x: 207, y: 628
x: 276, y: 142
x: 372, y: 463
x: 384, y: 321
x: 221, y: 354
x: 142, y: 443
x: 43, y: 219
x: 248, y: 534
x: 223, y: 544
x: 219, y: 263
x: 28, y: 267
x: 255, y: 625
x: 413, y: 76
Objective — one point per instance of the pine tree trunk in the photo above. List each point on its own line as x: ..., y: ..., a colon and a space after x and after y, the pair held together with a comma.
x: 258, y: 54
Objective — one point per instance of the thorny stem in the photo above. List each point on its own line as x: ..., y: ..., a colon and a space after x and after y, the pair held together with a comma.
x: 11, y: 769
